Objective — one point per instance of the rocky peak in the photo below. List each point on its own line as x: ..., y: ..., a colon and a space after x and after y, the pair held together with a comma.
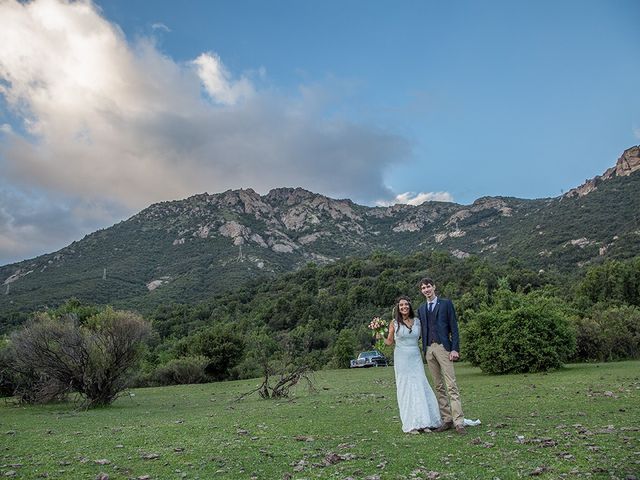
x: 289, y: 196
x: 484, y: 203
x: 253, y: 203
x: 628, y: 163
x: 300, y: 205
x: 496, y: 203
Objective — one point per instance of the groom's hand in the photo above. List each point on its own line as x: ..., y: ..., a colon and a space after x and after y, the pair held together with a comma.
x: 453, y: 355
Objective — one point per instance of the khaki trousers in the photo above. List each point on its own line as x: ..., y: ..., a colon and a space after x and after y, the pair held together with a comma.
x: 444, y: 378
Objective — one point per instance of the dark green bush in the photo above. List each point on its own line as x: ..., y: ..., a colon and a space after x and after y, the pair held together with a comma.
x: 222, y: 345
x: 185, y: 370
x: 7, y: 376
x: 518, y: 334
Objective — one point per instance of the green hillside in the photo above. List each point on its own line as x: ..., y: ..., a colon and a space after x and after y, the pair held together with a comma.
x: 188, y: 250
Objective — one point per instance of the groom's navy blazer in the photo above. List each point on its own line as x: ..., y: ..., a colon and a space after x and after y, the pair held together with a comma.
x: 446, y: 324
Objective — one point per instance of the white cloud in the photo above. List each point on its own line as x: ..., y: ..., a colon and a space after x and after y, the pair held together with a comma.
x: 107, y: 122
x: 636, y: 132
x: 160, y: 26
x: 217, y: 80
x: 412, y: 198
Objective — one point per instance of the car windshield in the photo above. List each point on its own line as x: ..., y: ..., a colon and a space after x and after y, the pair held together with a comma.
x: 368, y: 354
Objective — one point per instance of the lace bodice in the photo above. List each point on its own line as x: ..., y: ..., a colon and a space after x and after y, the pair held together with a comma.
x: 405, y: 337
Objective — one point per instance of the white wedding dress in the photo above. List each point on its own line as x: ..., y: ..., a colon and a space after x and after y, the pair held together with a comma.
x: 416, y: 400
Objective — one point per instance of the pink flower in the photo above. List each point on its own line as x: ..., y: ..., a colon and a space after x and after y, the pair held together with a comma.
x: 380, y: 330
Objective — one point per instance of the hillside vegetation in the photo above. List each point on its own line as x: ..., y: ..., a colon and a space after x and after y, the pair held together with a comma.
x: 318, y: 316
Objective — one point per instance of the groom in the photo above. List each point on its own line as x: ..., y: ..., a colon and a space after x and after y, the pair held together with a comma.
x: 440, y: 345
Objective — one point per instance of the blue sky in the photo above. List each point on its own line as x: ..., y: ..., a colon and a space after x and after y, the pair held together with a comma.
x: 109, y: 106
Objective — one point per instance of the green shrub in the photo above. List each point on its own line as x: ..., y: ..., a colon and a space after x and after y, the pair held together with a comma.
x: 609, y: 333
x: 183, y: 370
x: 518, y: 334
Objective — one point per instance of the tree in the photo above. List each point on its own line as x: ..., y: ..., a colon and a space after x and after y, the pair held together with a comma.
x: 344, y: 348
x: 609, y: 333
x: 7, y: 375
x: 94, y: 359
x: 613, y: 282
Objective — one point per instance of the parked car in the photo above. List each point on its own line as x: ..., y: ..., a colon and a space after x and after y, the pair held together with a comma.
x: 372, y: 358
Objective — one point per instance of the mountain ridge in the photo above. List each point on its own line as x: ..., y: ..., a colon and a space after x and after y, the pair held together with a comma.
x: 186, y: 250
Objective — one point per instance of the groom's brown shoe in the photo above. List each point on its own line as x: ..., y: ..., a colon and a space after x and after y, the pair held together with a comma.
x: 444, y: 427
x: 461, y: 430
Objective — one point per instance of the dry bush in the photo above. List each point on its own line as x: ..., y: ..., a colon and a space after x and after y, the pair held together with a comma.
x: 286, y: 380
x: 93, y: 359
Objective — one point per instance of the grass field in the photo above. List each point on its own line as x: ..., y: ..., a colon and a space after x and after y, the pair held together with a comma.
x: 580, y: 422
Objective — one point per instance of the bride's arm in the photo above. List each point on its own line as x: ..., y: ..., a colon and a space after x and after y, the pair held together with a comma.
x: 389, y: 339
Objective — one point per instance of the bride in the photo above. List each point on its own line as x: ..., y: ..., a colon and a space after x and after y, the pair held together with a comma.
x: 417, y: 403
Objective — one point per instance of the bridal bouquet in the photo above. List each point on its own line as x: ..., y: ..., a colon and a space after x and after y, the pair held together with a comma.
x: 380, y: 330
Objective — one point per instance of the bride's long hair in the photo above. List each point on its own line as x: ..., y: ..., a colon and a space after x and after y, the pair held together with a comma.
x: 398, y: 315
